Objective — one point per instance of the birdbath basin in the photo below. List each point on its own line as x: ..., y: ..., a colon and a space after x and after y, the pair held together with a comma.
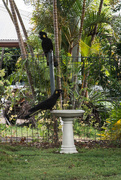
x: 68, y: 136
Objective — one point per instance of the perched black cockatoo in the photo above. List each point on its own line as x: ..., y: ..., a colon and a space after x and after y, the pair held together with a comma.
x: 47, y: 104
x: 47, y: 46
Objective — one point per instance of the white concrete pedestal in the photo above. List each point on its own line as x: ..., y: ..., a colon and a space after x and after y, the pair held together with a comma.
x: 68, y: 137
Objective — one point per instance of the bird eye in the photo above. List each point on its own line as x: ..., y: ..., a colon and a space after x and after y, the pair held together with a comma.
x: 44, y: 36
x: 56, y: 92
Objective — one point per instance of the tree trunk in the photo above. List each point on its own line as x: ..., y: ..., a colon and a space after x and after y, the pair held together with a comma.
x: 1, y: 60
x: 23, y: 28
x: 21, y: 22
x: 22, y: 46
x: 6, y: 6
x: 81, y: 26
x: 55, y: 22
x: 56, y: 33
x: 80, y: 35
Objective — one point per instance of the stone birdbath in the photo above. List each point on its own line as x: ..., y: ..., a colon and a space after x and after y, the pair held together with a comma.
x: 68, y: 116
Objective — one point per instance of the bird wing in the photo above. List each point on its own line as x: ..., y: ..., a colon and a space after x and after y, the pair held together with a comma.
x: 47, y: 45
x: 47, y: 104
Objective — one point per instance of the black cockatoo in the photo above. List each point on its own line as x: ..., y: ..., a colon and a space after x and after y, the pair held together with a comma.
x: 47, y: 46
x: 47, y: 104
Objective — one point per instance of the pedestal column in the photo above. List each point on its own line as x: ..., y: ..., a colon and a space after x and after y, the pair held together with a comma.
x: 68, y: 136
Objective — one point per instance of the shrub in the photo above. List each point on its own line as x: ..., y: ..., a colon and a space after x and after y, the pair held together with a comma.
x: 112, y: 127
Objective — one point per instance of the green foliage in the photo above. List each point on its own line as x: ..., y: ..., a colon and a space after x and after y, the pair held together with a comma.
x: 118, y: 46
x: 87, y: 51
x: 112, y: 127
x: 45, y: 123
x: 3, y: 85
x: 35, y: 42
x: 9, y: 60
x: 84, y: 130
x: 11, y: 132
x: 103, y: 71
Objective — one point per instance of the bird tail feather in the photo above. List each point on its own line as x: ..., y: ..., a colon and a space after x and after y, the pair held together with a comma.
x: 27, y: 116
x: 35, y: 108
x: 30, y: 115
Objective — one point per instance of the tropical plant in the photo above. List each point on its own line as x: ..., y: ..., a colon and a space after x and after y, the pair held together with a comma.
x: 3, y: 86
x: 112, y: 127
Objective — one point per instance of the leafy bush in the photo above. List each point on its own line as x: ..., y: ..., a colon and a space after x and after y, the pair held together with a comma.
x: 84, y: 130
x: 112, y: 127
x: 3, y: 85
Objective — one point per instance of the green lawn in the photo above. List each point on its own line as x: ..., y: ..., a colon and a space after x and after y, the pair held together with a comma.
x: 30, y: 163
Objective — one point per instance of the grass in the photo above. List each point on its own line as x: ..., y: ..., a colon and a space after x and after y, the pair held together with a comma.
x: 30, y: 163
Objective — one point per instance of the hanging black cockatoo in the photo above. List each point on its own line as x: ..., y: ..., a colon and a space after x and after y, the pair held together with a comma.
x: 47, y: 46
x: 47, y: 104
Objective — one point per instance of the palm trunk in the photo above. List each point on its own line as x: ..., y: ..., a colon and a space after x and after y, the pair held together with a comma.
x: 80, y: 35
x: 55, y: 22
x: 22, y: 46
x: 23, y: 27
x: 81, y: 26
x: 1, y: 60
x: 56, y: 33
x: 21, y: 22
x: 6, y: 6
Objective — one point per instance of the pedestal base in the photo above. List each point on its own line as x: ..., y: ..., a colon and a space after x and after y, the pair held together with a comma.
x: 68, y: 150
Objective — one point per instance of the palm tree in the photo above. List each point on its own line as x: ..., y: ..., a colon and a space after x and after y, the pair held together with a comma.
x: 6, y: 6
x: 85, y: 81
x: 81, y: 26
x: 23, y: 27
x: 1, y: 60
x: 21, y: 22
x: 79, y: 38
x: 22, y: 45
x: 92, y: 39
x: 55, y: 23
